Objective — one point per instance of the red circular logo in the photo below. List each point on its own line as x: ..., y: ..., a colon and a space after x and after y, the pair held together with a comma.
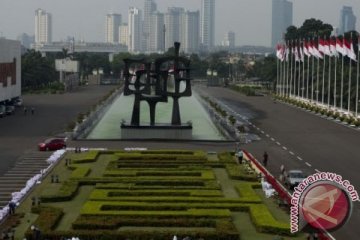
x: 325, y: 206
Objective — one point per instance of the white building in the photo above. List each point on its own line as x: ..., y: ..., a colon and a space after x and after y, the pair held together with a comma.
x: 149, y: 8
x: 190, y: 31
x: 112, y: 25
x: 124, y: 34
x: 43, y: 27
x: 207, y: 24
x: 173, y: 26
x: 10, y: 69
x: 135, y: 30
x: 157, y: 39
x: 229, y: 40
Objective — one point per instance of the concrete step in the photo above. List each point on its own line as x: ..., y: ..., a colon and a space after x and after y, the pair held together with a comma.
x: 22, y: 171
x: 29, y: 174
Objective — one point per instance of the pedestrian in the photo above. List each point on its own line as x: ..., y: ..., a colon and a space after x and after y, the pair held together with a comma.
x: 25, y: 110
x: 12, y: 207
x: 240, y: 156
x: 265, y: 158
x: 32, y: 111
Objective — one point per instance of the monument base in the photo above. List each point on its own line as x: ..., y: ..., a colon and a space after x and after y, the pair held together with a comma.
x: 158, y: 131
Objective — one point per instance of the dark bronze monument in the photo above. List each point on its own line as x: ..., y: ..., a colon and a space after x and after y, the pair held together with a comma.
x: 149, y: 82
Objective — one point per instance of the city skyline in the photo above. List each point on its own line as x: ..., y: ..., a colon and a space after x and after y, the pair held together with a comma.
x: 91, y: 28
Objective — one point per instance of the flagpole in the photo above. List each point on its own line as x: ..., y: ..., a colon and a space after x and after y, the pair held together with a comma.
x: 294, y: 78
x: 323, y: 80
x: 312, y: 75
x: 288, y: 67
x: 299, y: 55
x: 357, y: 82
x: 284, y: 67
x: 342, y: 78
x: 277, y: 75
x: 303, y: 81
x: 308, y: 72
x: 291, y: 70
x: 317, y: 77
x: 329, y: 80
x: 335, y: 82
x: 349, y: 87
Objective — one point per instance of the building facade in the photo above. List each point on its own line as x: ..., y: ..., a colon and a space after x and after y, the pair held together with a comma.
x: 26, y: 40
x: 207, y: 24
x: 10, y: 69
x: 124, y: 34
x: 282, y: 18
x: 157, y: 34
x: 190, y: 31
x: 149, y: 8
x: 173, y: 25
x: 229, y: 40
x: 347, y: 20
x: 112, y: 26
x: 43, y: 27
x: 135, y: 30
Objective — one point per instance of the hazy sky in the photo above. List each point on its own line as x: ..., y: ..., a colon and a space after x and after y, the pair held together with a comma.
x: 85, y: 19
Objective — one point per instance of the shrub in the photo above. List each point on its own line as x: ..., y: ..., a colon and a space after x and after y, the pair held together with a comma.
x: 84, y: 157
x: 238, y: 172
x: 48, y: 217
x: 226, y: 157
x: 247, y: 193
x: 80, y: 172
x: 67, y: 191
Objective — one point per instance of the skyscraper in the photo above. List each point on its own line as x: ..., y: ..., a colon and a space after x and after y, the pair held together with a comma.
x: 282, y: 18
x: 157, y: 41
x: 149, y: 8
x: 229, y: 40
x: 207, y: 25
x: 124, y: 34
x: 173, y: 26
x: 347, y: 20
x: 113, y: 22
x: 43, y: 29
x: 135, y: 29
x: 190, y: 31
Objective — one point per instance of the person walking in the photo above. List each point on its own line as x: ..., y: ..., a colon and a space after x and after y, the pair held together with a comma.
x: 32, y: 111
x: 25, y: 110
x: 240, y: 156
x: 265, y: 159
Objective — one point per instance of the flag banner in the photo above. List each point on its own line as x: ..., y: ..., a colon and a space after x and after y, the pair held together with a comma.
x: 306, y: 49
x: 321, y: 45
x: 333, y: 47
x: 297, y: 57
x: 311, y: 48
x: 351, y: 52
x: 287, y: 52
x: 301, y: 49
x: 317, y: 53
x: 339, y: 47
x: 326, y: 48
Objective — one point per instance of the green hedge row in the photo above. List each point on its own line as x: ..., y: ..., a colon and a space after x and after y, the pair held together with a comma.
x: 205, y: 185
x: 265, y: 222
x: 80, y: 172
x: 48, y: 217
x: 238, y: 172
x: 160, y: 157
x: 96, y: 208
x: 246, y: 191
x: 84, y: 157
x: 66, y: 192
x: 226, y: 157
x: 111, y: 195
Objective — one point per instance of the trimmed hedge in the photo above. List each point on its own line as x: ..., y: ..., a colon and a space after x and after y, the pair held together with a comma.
x: 160, y: 157
x: 237, y: 172
x: 265, y: 222
x: 48, y: 217
x: 226, y: 157
x: 67, y: 191
x: 80, y: 172
x: 246, y: 191
x: 84, y: 157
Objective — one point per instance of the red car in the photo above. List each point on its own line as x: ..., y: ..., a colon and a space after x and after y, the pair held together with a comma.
x: 52, y: 144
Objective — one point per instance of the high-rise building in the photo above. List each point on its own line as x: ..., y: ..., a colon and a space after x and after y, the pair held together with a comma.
x: 149, y: 8
x: 157, y: 39
x: 26, y: 40
x: 229, y: 40
x: 124, y: 34
x: 190, y: 31
x: 347, y: 20
x: 282, y: 18
x: 43, y: 29
x: 207, y: 24
x: 173, y: 24
x: 113, y: 22
x: 135, y: 30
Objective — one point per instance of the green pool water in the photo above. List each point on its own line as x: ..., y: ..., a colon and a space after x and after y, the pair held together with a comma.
x: 190, y: 108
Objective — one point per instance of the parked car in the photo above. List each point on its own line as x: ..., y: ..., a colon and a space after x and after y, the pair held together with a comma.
x: 10, y: 110
x: 293, y: 178
x: 52, y: 144
x: 2, y: 111
x: 18, y: 102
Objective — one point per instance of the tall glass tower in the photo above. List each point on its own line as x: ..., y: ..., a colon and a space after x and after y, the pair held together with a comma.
x: 282, y: 18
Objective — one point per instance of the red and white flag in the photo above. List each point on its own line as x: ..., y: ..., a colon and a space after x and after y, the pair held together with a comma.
x: 317, y: 53
x: 321, y: 45
x: 280, y: 52
x: 339, y: 47
x: 306, y: 49
x: 333, y: 47
x: 301, y: 50
x: 350, y: 50
x: 311, y: 48
x: 326, y: 48
x: 296, y: 53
